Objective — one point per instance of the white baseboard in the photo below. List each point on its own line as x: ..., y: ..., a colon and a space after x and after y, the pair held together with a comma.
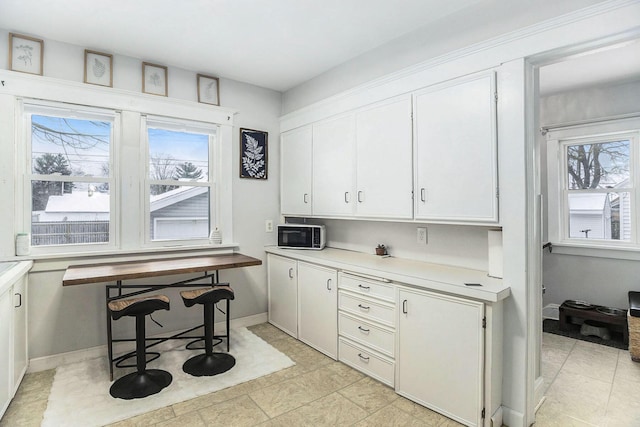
x: 551, y: 311
x: 497, y: 419
x: 55, y: 360
x: 512, y: 418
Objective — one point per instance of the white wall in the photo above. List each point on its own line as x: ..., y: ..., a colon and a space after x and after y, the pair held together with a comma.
x: 464, y: 246
x: 603, y: 281
x: 73, y: 318
x: 453, y: 32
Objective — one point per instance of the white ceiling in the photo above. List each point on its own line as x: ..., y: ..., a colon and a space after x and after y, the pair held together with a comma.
x: 276, y: 44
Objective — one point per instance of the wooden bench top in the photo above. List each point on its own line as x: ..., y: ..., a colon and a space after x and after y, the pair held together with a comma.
x: 108, y: 272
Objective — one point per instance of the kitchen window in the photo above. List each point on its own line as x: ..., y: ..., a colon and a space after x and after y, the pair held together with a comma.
x: 593, y: 184
x: 180, y: 180
x: 70, y: 188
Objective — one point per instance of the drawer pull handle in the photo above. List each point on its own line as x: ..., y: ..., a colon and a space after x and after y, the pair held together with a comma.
x: 363, y: 358
x: 328, y: 284
x: 360, y: 193
x: 364, y: 287
x: 19, y: 300
x: 291, y: 273
x: 404, y: 307
x: 346, y: 197
x: 363, y: 307
x: 363, y: 329
x: 304, y: 198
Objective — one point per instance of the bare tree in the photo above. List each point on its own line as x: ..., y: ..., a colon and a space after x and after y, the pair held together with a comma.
x: 589, y: 164
x: 163, y: 167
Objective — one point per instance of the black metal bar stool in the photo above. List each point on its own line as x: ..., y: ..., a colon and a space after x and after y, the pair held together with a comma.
x: 144, y: 382
x: 210, y: 363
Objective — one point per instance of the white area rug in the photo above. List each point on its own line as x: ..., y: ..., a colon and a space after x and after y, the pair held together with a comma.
x: 80, y: 392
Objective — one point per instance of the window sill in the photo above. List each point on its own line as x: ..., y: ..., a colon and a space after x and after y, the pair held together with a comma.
x: 614, y: 252
x: 60, y: 261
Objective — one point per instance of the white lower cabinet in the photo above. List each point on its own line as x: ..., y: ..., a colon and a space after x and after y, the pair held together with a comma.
x: 13, y: 332
x: 366, y: 326
x: 303, y: 302
x: 440, y: 360
x: 283, y: 293
x: 6, y: 371
x: 318, y: 308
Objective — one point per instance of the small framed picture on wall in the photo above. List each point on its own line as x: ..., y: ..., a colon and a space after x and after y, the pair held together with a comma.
x: 208, y: 90
x: 154, y: 79
x: 253, y: 154
x: 25, y: 54
x: 98, y: 68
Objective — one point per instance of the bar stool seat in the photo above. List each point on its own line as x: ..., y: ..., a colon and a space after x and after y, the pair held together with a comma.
x: 210, y: 363
x: 144, y: 382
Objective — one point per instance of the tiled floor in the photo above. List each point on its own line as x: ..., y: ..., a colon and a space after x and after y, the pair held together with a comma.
x: 316, y: 391
x: 587, y: 385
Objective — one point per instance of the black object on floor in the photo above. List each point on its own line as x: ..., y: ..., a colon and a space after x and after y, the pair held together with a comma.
x: 551, y: 326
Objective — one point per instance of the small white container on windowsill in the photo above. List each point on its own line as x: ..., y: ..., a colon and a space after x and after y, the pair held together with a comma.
x: 23, y: 244
x: 215, y: 238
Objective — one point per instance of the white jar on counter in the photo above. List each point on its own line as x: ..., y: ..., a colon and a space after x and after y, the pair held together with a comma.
x: 23, y: 244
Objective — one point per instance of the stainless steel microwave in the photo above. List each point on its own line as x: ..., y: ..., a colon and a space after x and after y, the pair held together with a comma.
x: 301, y: 236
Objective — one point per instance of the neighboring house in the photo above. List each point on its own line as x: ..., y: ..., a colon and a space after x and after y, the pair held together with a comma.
x: 589, y: 216
x: 177, y: 214
x: 76, y: 206
x: 180, y: 214
x: 605, y: 216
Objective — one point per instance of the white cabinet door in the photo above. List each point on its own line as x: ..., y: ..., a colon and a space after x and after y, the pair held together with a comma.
x: 441, y: 353
x: 456, y: 151
x: 383, y: 153
x: 318, y: 308
x: 20, y: 330
x: 6, y: 355
x: 334, y: 167
x: 295, y: 177
x: 283, y: 293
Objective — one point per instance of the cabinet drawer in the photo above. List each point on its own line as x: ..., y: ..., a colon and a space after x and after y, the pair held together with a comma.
x: 367, y: 308
x: 369, y: 287
x: 365, y: 333
x: 366, y: 361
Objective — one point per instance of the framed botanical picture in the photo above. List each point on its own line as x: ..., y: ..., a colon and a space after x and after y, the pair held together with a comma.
x: 253, y: 154
x: 208, y: 90
x: 98, y: 68
x: 25, y: 54
x: 154, y: 79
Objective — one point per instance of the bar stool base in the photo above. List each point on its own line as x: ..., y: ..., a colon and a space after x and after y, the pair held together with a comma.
x: 206, y: 365
x: 140, y: 384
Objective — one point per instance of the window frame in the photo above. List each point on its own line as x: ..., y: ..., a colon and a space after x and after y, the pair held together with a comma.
x: 212, y: 183
x: 30, y: 108
x: 558, y: 191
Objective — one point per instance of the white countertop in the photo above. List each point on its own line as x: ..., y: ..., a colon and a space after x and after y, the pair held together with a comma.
x: 437, y: 277
x: 12, y: 271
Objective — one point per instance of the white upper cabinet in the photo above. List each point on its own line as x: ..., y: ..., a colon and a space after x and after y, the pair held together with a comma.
x: 334, y: 167
x: 456, y: 151
x: 295, y: 172
x: 383, y: 155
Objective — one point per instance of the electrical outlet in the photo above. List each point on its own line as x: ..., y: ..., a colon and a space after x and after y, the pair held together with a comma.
x: 268, y: 226
x: 421, y: 236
